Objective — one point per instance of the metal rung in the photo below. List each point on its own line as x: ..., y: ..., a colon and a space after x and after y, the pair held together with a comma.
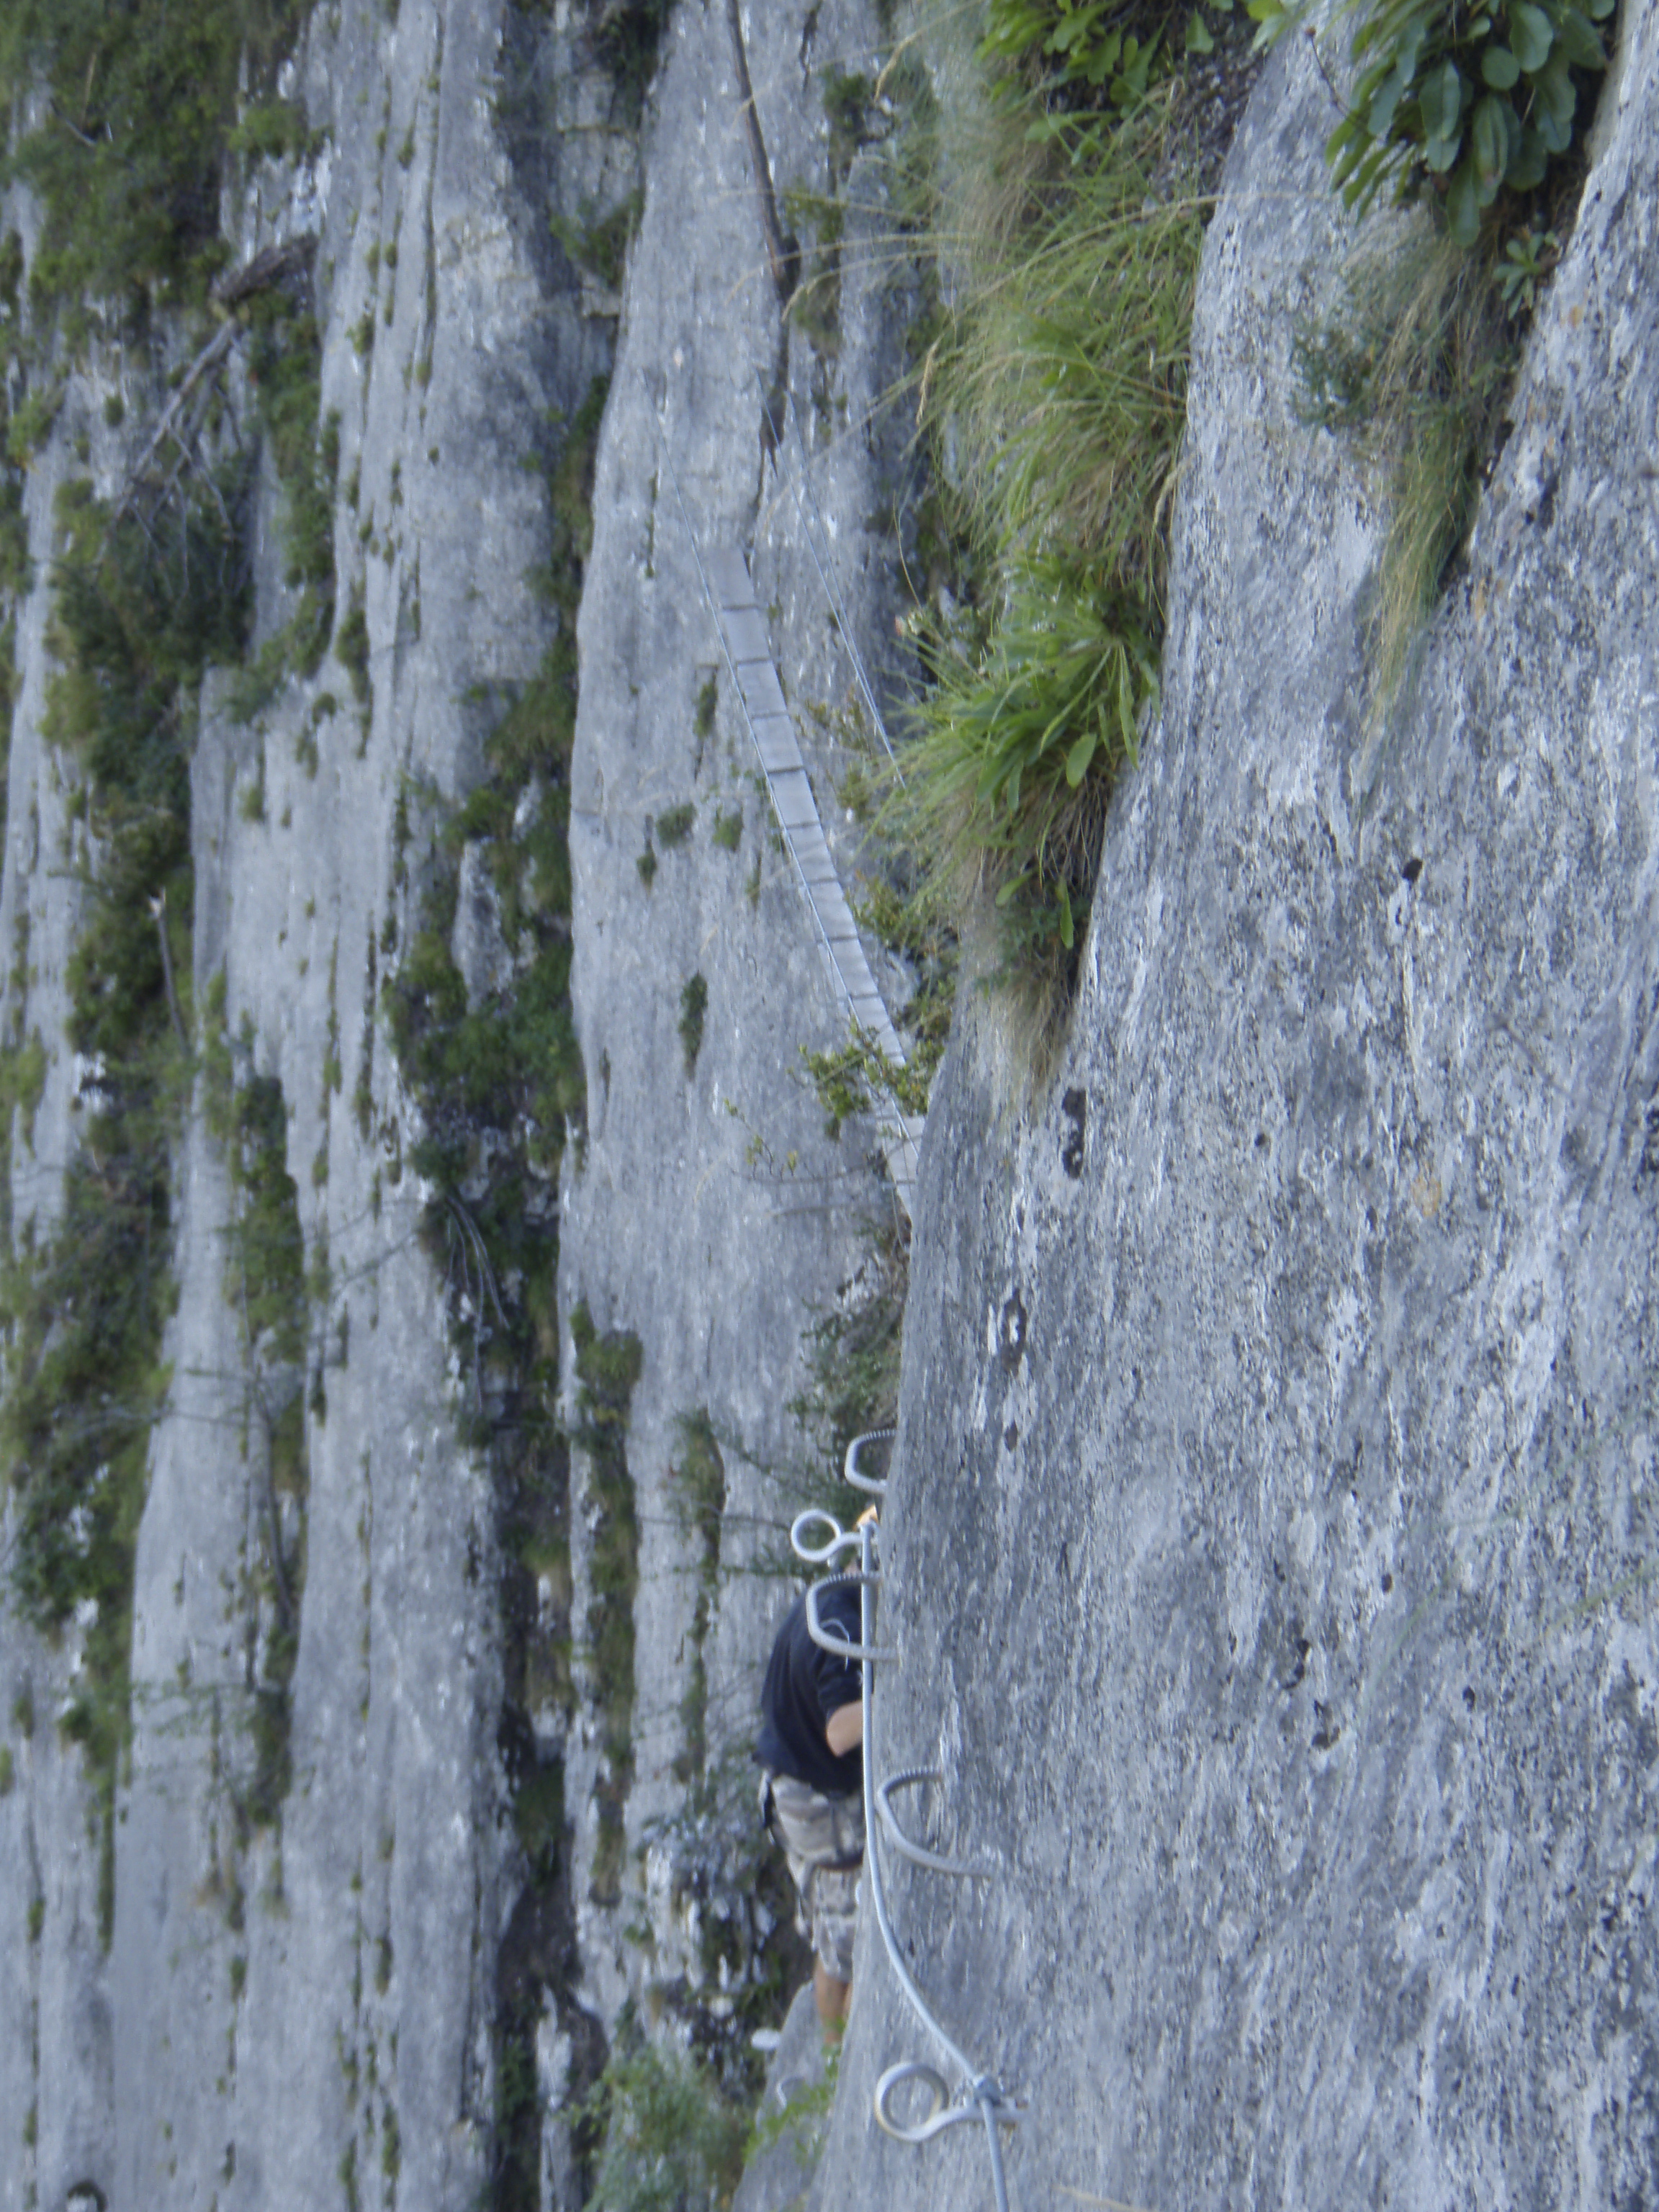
x: 763, y: 694
x: 745, y: 633
x: 794, y: 796
x: 774, y: 734
x: 728, y: 576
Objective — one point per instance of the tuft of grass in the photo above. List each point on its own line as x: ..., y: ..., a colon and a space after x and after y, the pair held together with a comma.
x: 607, y: 1368
x: 1054, y: 393
x: 1416, y: 361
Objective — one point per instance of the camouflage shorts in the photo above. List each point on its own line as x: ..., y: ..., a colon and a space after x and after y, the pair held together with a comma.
x: 823, y: 1839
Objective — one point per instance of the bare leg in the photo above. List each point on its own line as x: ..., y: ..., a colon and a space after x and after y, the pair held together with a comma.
x: 831, y: 1996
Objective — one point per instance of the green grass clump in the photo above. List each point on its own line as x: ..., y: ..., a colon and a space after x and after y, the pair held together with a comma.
x: 698, y: 1475
x: 1416, y: 361
x: 675, y: 827
x: 1056, y: 378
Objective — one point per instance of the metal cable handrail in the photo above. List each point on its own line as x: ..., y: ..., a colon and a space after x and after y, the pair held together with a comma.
x: 985, y: 2099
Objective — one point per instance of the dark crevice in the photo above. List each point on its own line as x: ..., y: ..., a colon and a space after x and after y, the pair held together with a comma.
x: 782, y: 253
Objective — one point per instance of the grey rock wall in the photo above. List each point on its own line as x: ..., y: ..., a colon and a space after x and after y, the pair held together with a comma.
x: 301, y: 2012
x: 1272, y: 1552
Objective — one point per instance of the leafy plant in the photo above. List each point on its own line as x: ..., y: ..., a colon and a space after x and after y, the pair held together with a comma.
x: 1465, y: 101
x: 1072, y: 46
x: 670, y: 2141
x: 1528, y: 256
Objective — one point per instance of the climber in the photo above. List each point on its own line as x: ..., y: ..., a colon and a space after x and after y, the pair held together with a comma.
x: 811, y: 1790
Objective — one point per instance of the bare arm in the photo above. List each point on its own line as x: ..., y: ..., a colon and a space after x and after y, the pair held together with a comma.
x: 844, y: 1729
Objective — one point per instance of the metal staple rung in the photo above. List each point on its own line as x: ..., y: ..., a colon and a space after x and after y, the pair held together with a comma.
x: 851, y: 1469
x: 915, y: 1852
x: 867, y: 1653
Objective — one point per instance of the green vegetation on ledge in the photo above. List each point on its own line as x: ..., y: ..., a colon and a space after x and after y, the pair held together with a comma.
x: 128, y: 158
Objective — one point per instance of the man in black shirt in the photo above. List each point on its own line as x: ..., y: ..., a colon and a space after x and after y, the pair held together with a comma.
x: 812, y: 1799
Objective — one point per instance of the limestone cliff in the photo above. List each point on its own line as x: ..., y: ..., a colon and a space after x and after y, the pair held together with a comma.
x: 1271, y: 1552
x: 1270, y: 1546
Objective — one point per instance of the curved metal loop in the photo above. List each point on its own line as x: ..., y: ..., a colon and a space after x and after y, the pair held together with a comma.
x: 876, y: 1486
x: 940, y: 2113
x: 819, y: 1555
x: 831, y: 1640
x: 915, y: 1852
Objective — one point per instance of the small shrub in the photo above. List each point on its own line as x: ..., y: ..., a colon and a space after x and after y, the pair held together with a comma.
x: 675, y: 827
x: 727, y: 832
x: 693, y: 1005
x: 669, y: 2140
x: 8, y: 1774
x: 647, y: 864
x: 708, y: 705
x: 857, y: 1077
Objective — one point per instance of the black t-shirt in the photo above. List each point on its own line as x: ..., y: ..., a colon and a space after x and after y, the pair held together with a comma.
x: 804, y: 1684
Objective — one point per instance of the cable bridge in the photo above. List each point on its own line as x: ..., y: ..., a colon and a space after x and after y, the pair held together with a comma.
x: 746, y: 646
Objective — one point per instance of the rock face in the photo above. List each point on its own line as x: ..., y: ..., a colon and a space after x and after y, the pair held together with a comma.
x: 1270, y: 1541
x: 1270, y: 1550
x: 709, y: 1215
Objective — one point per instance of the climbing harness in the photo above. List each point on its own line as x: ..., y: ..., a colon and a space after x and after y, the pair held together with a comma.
x: 983, y: 2099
